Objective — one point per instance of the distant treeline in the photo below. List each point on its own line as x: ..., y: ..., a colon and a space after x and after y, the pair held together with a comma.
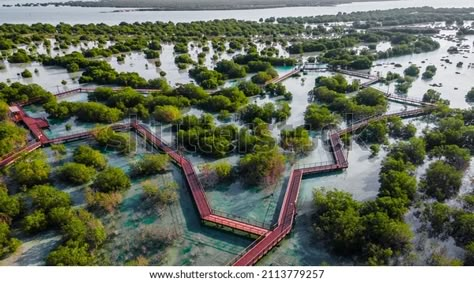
x: 390, y: 17
x: 195, y: 5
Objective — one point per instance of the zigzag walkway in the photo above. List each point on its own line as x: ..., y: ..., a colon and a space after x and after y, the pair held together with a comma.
x: 251, y: 255
x: 192, y: 179
x: 256, y: 251
x: 267, y: 238
x: 196, y: 188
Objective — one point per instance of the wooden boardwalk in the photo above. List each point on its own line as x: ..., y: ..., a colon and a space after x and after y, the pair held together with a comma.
x: 85, y: 134
x: 390, y: 96
x: 191, y: 177
x: 314, y: 67
x: 407, y: 100
x: 12, y: 157
x: 256, y: 251
x: 288, y: 209
x: 284, y: 77
x: 372, y: 79
x: 90, y: 90
x: 357, y: 74
x: 195, y: 186
x: 402, y: 114
x: 267, y: 237
x: 251, y: 255
x: 34, y: 125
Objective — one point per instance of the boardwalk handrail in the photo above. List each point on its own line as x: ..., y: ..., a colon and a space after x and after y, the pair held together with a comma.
x: 244, y: 251
x: 235, y: 224
x: 257, y: 223
x: 288, y: 186
x: 285, y: 223
x: 12, y: 157
x: 407, y: 100
x: 356, y: 125
x: 357, y: 74
x: 86, y: 89
x: 377, y: 116
x: 285, y: 76
x: 86, y: 134
x: 310, y: 165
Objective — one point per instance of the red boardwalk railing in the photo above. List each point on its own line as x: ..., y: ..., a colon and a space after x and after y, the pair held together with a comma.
x: 197, y: 191
x: 285, y: 223
x: 11, y: 158
x: 288, y: 210
x: 35, y: 125
x: 407, y: 100
x: 234, y: 224
x: 267, y: 238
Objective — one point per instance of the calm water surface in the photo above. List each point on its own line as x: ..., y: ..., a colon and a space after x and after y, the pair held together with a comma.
x: 75, y: 15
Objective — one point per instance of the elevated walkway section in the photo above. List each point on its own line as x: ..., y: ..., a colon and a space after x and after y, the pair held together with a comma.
x: 90, y: 90
x: 285, y: 76
x: 267, y: 237
x: 34, y: 125
x: 288, y: 210
x: 195, y: 186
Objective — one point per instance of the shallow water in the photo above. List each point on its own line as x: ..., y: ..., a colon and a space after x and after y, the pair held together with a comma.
x: 57, y: 127
x: 49, y: 77
x: 55, y: 15
x: 300, y: 247
x: 195, y: 244
x: 446, y: 73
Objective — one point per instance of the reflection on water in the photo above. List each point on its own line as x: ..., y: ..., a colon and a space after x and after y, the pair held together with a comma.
x: 73, y: 15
